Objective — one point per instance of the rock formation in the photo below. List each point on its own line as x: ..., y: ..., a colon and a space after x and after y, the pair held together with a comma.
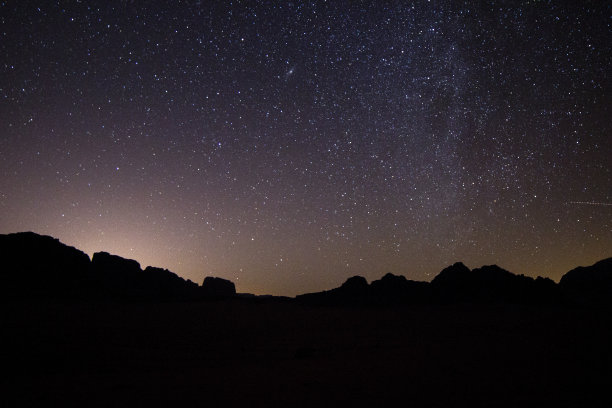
x: 217, y: 288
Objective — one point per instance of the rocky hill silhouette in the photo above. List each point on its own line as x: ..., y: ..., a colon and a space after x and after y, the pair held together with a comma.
x: 217, y: 288
x: 114, y: 276
x: 41, y: 266
x: 489, y: 284
x: 37, y: 266
x: 354, y: 291
x: 394, y: 289
x: 591, y: 285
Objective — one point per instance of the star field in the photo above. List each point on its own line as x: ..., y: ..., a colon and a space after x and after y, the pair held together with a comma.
x: 289, y: 146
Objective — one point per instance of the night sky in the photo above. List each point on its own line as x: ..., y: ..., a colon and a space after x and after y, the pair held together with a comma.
x: 289, y: 145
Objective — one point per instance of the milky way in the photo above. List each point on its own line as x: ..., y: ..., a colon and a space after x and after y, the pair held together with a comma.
x: 289, y: 146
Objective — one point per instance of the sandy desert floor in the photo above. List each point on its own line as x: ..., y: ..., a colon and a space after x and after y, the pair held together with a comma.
x: 245, y: 353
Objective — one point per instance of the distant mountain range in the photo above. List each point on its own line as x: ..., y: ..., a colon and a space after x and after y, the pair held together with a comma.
x: 37, y: 266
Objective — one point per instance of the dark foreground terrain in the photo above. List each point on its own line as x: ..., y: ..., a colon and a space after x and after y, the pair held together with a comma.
x: 105, y: 332
x: 238, y: 352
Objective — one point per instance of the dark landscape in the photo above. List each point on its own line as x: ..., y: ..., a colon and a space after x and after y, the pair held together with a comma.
x: 104, y: 333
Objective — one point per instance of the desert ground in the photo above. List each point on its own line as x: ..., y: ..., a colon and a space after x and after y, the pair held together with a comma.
x: 273, y: 353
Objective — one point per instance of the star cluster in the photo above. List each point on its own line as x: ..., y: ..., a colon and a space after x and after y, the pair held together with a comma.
x: 289, y: 145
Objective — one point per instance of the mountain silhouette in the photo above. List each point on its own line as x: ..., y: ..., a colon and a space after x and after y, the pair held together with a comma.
x: 217, y: 288
x: 490, y: 284
x: 117, y: 277
x: 34, y: 265
x: 394, y: 289
x: 589, y: 284
x: 37, y: 266
x: 354, y: 290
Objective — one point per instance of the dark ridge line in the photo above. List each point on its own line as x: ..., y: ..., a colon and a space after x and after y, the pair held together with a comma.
x: 39, y: 266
